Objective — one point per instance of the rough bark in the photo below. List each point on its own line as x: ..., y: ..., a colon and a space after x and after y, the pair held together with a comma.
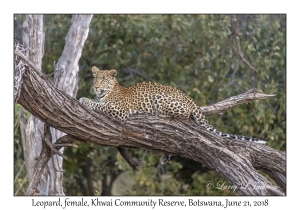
x: 66, y: 78
x: 236, y: 161
x: 66, y: 74
x: 32, y: 128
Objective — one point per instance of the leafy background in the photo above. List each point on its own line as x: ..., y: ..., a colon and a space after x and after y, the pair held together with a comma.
x: 209, y: 57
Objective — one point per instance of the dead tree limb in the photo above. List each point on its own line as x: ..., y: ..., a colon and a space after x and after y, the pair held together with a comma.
x: 236, y: 161
x: 48, y: 150
x: 233, y: 101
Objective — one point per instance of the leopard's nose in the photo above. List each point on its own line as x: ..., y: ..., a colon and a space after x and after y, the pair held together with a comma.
x: 99, y: 90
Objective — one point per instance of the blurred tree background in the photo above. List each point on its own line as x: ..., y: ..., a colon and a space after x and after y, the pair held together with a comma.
x: 209, y: 57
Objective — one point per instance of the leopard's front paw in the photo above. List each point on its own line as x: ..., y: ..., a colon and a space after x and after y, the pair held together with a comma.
x: 85, y: 102
x: 89, y: 103
x: 82, y: 100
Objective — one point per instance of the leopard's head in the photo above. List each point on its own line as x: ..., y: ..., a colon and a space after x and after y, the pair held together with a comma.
x: 104, y: 81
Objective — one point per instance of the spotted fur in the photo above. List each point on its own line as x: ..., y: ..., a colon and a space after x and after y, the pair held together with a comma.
x: 147, y: 97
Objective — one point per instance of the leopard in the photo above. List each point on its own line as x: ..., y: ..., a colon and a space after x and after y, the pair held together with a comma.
x: 151, y: 98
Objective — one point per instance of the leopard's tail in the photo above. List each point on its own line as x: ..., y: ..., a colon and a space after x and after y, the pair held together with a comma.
x: 200, y: 119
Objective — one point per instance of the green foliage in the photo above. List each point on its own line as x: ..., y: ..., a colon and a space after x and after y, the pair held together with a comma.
x: 198, y: 54
x: 160, y: 180
x: 20, y: 177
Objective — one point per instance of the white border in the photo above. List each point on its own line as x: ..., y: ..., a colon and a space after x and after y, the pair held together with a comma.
x: 8, y: 201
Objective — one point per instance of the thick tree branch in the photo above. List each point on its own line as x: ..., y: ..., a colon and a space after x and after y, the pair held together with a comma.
x: 234, y: 160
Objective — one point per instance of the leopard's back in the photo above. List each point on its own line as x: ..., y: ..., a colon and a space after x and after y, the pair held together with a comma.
x: 152, y: 98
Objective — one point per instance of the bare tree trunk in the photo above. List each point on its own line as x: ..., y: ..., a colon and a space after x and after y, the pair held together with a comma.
x: 66, y: 74
x: 32, y: 129
x: 237, y: 161
x: 66, y: 78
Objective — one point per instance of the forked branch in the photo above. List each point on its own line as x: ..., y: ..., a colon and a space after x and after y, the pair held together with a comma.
x: 48, y: 150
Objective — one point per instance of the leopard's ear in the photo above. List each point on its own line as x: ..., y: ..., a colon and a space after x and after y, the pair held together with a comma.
x: 113, y: 72
x: 95, y: 70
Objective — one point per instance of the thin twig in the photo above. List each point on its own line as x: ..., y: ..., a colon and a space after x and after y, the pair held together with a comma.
x: 241, y: 55
x: 252, y: 108
x: 17, y: 176
x: 21, y: 185
x: 52, y: 147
